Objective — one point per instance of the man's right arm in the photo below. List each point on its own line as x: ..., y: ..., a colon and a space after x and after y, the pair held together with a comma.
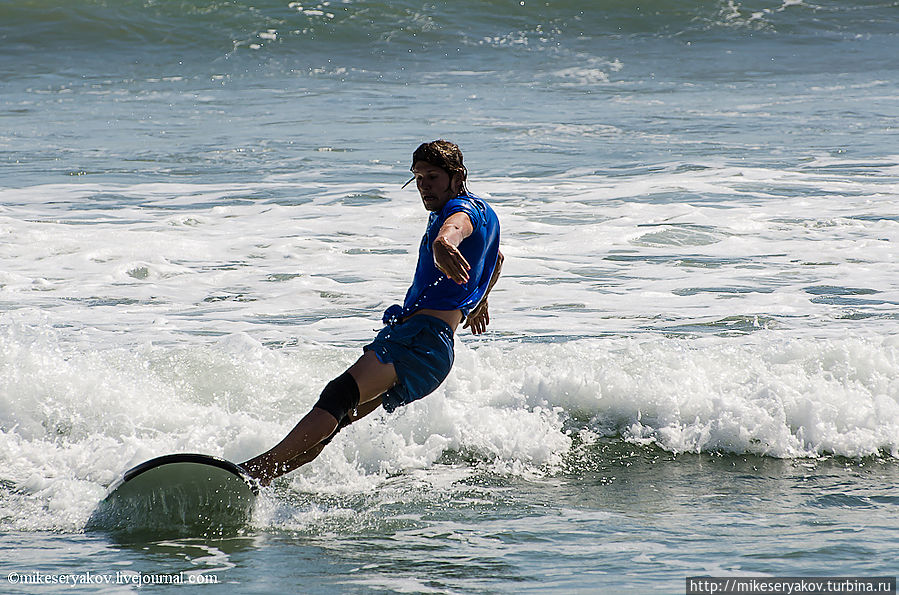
x: 447, y: 257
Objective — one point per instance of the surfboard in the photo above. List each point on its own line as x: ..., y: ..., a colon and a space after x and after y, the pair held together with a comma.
x: 187, y: 492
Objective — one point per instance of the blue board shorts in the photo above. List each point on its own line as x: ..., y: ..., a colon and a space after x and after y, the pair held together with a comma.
x: 421, y: 351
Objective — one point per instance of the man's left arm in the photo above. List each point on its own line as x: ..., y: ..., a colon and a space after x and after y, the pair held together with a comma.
x: 479, y: 318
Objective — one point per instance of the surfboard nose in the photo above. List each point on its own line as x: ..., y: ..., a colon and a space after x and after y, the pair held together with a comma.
x: 185, y: 493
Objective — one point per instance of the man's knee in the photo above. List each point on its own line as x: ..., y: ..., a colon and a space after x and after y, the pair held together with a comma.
x: 340, y: 396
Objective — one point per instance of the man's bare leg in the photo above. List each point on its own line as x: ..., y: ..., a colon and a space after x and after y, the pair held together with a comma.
x: 312, y: 453
x: 373, y: 379
x: 317, y: 425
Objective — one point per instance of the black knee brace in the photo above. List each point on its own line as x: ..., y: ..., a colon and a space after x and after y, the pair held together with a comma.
x: 340, y: 396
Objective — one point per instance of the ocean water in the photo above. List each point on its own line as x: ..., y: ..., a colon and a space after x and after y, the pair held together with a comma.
x: 693, y: 361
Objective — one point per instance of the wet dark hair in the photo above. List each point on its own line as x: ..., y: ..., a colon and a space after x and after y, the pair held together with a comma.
x: 445, y: 155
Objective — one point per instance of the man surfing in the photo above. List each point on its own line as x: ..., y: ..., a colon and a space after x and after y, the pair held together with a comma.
x: 459, y: 262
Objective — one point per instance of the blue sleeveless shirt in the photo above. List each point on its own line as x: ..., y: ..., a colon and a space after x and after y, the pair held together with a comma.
x: 431, y: 288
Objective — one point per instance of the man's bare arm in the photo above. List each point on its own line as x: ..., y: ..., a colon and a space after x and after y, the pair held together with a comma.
x: 479, y: 318
x: 447, y: 257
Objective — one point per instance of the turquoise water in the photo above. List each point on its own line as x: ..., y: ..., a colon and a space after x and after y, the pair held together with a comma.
x: 693, y: 366
x: 635, y: 520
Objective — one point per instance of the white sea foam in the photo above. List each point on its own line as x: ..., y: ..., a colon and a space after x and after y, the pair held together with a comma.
x: 74, y: 418
x: 588, y: 255
x: 697, y: 308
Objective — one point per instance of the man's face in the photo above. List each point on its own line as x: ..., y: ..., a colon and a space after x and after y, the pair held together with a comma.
x: 434, y: 185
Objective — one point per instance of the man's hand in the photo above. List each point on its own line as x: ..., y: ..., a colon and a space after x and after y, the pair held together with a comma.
x: 447, y: 257
x: 478, y: 319
x: 450, y: 261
